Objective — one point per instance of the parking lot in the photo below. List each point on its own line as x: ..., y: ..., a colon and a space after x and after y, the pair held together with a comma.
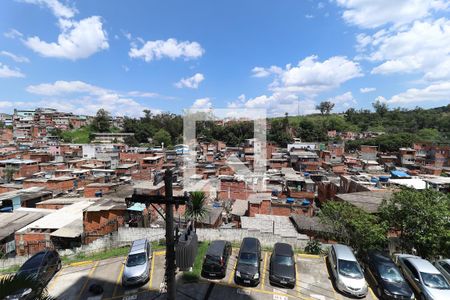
x: 73, y: 282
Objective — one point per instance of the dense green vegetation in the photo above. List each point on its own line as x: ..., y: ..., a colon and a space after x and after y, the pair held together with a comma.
x: 401, y: 127
x: 77, y: 136
x: 165, y: 127
x: 405, y: 212
x: 408, y: 210
x: 353, y: 226
x: 83, y: 135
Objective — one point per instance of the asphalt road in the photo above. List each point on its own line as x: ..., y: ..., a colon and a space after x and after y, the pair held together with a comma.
x: 73, y: 282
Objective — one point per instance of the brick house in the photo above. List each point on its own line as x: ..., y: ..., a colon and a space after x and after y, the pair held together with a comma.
x: 59, y: 229
x: 99, y: 189
x: 103, y: 217
x: 64, y: 183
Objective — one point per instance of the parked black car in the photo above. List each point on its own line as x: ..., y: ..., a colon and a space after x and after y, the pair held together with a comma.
x: 282, y: 266
x: 388, y: 279
x: 248, y: 268
x: 216, y: 259
x: 40, y: 267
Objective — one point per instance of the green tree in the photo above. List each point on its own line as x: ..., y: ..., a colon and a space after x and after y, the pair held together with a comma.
x: 102, y: 121
x: 162, y: 136
x: 313, y: 247
x: 354, y: 227
x: 325, y: 107
x: 428, y: 135
x: 279, y: 132
x: 196, y: 207
x: 422, y: 220
x: 381, y: 108
x: 131, y: 141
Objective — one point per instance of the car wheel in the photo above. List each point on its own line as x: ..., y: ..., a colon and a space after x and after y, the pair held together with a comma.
x: 59, y: 266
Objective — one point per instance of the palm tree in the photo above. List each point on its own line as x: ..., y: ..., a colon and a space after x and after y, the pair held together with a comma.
x: 196, y: 207
x: 12, y: 284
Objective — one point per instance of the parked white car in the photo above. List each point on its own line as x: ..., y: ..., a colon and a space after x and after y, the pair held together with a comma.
x: 443, y: 266
x: 424, y: 278
x: 347, y: 272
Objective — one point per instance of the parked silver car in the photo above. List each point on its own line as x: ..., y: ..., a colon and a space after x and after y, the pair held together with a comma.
x: 443, y: 266
x: 424, y: 278
x: 347, y: 272
x: 137, y: 265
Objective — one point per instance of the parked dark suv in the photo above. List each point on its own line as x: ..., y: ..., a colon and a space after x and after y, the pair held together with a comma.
x: 40, y: 267
x: 282, y: 266
x: 216, y: 258
x: 249, y: 262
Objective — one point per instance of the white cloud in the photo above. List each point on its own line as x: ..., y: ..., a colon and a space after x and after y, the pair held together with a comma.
x: 433, y: 92
x: 309, y: 16
x: 343, y: 101
x: 143, y: 94
x: 240, y: 102
x: 264, y: 72
x: 84, y: 98
x: 7, y: 72
x: 77, y: 40
x: 12, y: 34
x: 58, y: 9
x: 372, y: 14
x: 311, y: 76
x: 260, y: 72
x: 276, y: 104
x: 190, y: 82
x: 202, y: 103
x: 294, y: 87
x: 423, y: 47
x: 6, y: 104
x: 367, y: 90
x: 16, y: 58
x: 171, y: 48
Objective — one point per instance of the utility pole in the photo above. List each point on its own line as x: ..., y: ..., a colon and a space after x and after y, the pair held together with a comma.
x: 169, y: 201
x: 170, y: 241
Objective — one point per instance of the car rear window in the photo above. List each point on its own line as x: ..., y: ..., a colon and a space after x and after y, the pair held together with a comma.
x: 210, y: 259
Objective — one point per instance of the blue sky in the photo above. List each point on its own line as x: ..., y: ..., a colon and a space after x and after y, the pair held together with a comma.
x: 131, y: 55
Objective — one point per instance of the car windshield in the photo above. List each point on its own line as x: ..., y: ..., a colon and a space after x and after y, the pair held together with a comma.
x: 389, y: 273
x: 284, y: 260
x: 349, y: 268
x: 136, y: 259
x: 32, y: 265
x: 248, y: 259
x: 435, y: 281
x: 214, y: 260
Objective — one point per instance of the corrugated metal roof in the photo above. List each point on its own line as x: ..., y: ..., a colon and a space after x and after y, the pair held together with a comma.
x: 11, y: 222
x: 60, y: 218
x: 71, y: 230
x: 240, y: 207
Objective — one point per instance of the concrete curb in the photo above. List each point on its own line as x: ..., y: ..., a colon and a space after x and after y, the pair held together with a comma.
x: 80, y: 263
x: 309, y: 255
